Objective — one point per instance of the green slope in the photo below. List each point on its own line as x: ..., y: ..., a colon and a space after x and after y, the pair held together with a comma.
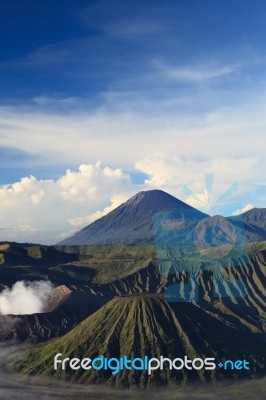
x: 141, y: 325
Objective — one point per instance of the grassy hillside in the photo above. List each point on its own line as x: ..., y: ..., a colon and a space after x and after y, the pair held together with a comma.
x: 98, y: 264
x: 70, y: 265
x: 142, y: 325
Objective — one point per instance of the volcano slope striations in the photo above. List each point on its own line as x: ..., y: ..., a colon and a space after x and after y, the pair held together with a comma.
x: 137, y: 272
x: 140, y: 325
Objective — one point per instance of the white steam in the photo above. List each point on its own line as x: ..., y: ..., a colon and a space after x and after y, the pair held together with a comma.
x: 25, y: 298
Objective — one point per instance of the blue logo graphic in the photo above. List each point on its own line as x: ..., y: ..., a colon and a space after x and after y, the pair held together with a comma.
x: 144, y: 364
x: 189, y: 242
x: 234, y: 365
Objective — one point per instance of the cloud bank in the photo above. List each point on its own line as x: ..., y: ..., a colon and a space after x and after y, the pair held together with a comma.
x: 47, y: 209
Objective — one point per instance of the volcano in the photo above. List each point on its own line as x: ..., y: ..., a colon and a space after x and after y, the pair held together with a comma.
x: 131, y: 222
x: 146, y: 325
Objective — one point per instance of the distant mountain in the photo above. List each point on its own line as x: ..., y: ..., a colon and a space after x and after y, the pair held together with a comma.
x: 131, y: 222
x: 254, y: 224
x: 28, y: 254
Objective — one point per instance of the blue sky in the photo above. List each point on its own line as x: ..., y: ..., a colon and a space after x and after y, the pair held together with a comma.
x: 87, y: 48
x: 164, y: 91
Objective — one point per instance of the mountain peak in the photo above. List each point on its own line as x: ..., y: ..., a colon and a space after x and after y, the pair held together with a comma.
x: 131, y: 222
x: 157, y: 200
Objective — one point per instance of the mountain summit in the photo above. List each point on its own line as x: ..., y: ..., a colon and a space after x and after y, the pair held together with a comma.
x: 131, y: 222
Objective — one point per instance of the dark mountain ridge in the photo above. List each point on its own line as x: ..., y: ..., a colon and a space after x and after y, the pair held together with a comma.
x: 253, y: 222
x: 70, y: 304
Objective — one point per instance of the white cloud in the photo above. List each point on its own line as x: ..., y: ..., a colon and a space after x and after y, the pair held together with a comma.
x: 246, y: 208
x: 40, y: 210
x: 37, y: 197
x: 166, y: 171
x: 173, y: 173
x: 115, y: 202
x: 124, y: 130
x: 195, y: 74
x: 56, y: 101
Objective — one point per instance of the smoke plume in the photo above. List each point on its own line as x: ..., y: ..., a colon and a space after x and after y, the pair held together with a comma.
x: 25, y: 298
